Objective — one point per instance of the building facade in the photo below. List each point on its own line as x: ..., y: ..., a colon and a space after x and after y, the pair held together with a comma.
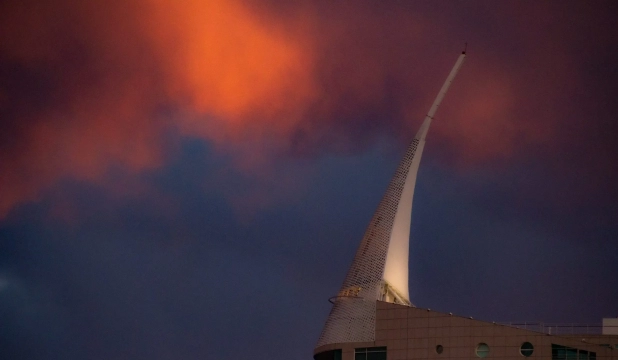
x: 406, y: 333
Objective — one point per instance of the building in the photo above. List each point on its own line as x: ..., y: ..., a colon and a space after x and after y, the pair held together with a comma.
x: 372, y: 317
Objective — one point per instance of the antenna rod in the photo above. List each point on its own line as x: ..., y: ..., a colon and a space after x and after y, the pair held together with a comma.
x: 422, y: 132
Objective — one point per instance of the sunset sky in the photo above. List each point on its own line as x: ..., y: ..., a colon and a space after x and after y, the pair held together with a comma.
x: 191, y: 179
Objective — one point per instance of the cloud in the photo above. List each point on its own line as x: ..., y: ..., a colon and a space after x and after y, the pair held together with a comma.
x: 88, y: 87
x: 99, y: 75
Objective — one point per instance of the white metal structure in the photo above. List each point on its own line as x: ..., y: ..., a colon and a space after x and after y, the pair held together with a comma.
x: 379, y: 270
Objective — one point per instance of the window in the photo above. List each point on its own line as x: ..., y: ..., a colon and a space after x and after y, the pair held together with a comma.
x: 372, y: 353
x: 571, y: 354
x: 559, y: 352
x: 439, y: 349
x: 328, y: 355
x: 482, y: 350
x: 526, y: 349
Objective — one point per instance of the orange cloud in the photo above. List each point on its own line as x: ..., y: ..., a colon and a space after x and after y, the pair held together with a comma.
x: 221, y: 59
x: 87, y: 86
x: 112, y: 65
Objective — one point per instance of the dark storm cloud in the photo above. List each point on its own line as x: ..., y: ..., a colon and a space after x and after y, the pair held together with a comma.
x: 131, y: 282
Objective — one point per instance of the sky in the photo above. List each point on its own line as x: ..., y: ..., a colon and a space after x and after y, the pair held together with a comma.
x: 192, y: 179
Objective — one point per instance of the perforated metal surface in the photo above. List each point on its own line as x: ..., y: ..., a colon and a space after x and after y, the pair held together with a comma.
x: 352, y: 318
x: 353, y: 315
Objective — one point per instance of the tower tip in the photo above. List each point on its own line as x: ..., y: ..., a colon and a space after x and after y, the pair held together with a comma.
x: 465, y: 48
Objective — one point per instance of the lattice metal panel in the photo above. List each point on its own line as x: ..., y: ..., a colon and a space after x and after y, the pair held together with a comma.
x: 352, y: 317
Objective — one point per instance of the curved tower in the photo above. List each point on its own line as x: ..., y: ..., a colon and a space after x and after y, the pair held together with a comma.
x: 379, y: 270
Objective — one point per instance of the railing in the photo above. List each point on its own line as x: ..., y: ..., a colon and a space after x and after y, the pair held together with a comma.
x: 557, y: 329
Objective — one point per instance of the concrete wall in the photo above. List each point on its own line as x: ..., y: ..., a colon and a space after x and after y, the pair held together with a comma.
x: 610, y: 326
x: 414, y: 333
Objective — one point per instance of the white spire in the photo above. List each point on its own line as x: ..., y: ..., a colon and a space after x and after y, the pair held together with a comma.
x: 396, y: 268
x: 379, y: 270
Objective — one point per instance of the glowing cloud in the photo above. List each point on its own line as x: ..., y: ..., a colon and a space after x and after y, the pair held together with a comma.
x: 87, y: 86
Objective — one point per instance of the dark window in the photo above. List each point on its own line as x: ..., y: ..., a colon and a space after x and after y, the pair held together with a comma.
x: 571, y: 354
x: 559, y: 352
x: 372, y: 353
x: 328, y: 355
x: 583, y: 355
x: 439, y: 349
x: 526, y: 349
